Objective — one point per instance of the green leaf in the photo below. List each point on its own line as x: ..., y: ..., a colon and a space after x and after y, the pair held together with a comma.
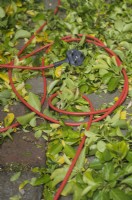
x: 117, y: 194
x: 101, y: 146
x: 8, y: 134
x: 106, y: 78
x: 113, y: 83
x: 104, y: 156
x: 122, y: 124
x: 5, y: 94
x: 72, y: 188
x: 23, y: 184
x: 120, y: 54
x: 81, y: 160
x: 88, y: 177
x: 22, y: 34
x: 38, y: 134
x: 76, y: 118
x: 34, y: 101
x: 127, y: 27
x: 86, y: 190
x: 52, y: 85
x: 55, y: 147
x: 82, y: 40
x: 58, y: 175
x: 70, y: 83
x: 77, y: 191
x: 106, y: 58
x: 119, y: 24
x: 69, y: 151
x: 108, y: 171
x: 40, y: 180
x: 128, y: 169
x: 67, y: 94
x: 101, y: 64
x: 49, y: 113
x: 2, y: 13
x: 25, y: 119
x: 72, y: 133
x: 119, y: 148
x: 33, y: 122
x: 92, y: 183
x: 68, y: 189
x: 95, y: 164
x: 15, y: 176
x: 16, y: 197
x: 125, y: 44
x: 101, y: 195
x: 128, y: 181
x: 129, y: 156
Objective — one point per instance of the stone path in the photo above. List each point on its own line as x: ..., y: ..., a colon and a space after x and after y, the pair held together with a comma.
x: 25, y: 151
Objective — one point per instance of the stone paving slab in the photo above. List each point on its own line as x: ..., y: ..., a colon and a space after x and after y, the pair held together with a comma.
x: 36, y: 84
x: 24, y: 149
x: 8, y: 188
x: 50, y: 4
x: 65, y: 198
x: 18, y: 109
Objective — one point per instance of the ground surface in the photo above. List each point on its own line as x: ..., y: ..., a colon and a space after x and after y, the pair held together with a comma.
x: 25, y: 150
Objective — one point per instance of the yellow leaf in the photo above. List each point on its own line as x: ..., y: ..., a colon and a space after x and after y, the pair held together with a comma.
x: 116, y: 98
x: 1, y: 123
x: 82, y: 134
x: 6, y: 109
x: 19, y: 4
x: 4, y: 77
x: 58, y: 71
x: 123, y: 115
x: 14, y: 130
x: 26, y: 98
x: 92, y: 35
x: 63, y: 143
x: 31, y: 13
x: 2, y: 59
x: 20, y: 86
x: 78, y: 107
x: 9, y: 9
x: 54, y: 126
x: 59, y: 132
x: 43, y: 38
x: 10, y: 33
x: 7, y: 85
x: 39, y: 39
x: 9, y: 119
x: 61, y: 160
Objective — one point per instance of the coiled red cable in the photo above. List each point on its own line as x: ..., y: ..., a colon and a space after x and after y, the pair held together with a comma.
x: 104, y: 113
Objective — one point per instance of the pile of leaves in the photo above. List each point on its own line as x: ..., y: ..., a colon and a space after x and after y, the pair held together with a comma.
x: 104, y: 168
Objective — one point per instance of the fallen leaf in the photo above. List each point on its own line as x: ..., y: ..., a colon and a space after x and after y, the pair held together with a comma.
x: 9, y: 119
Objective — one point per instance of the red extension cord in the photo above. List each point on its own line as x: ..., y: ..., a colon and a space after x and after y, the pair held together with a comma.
x: 104, y: 112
